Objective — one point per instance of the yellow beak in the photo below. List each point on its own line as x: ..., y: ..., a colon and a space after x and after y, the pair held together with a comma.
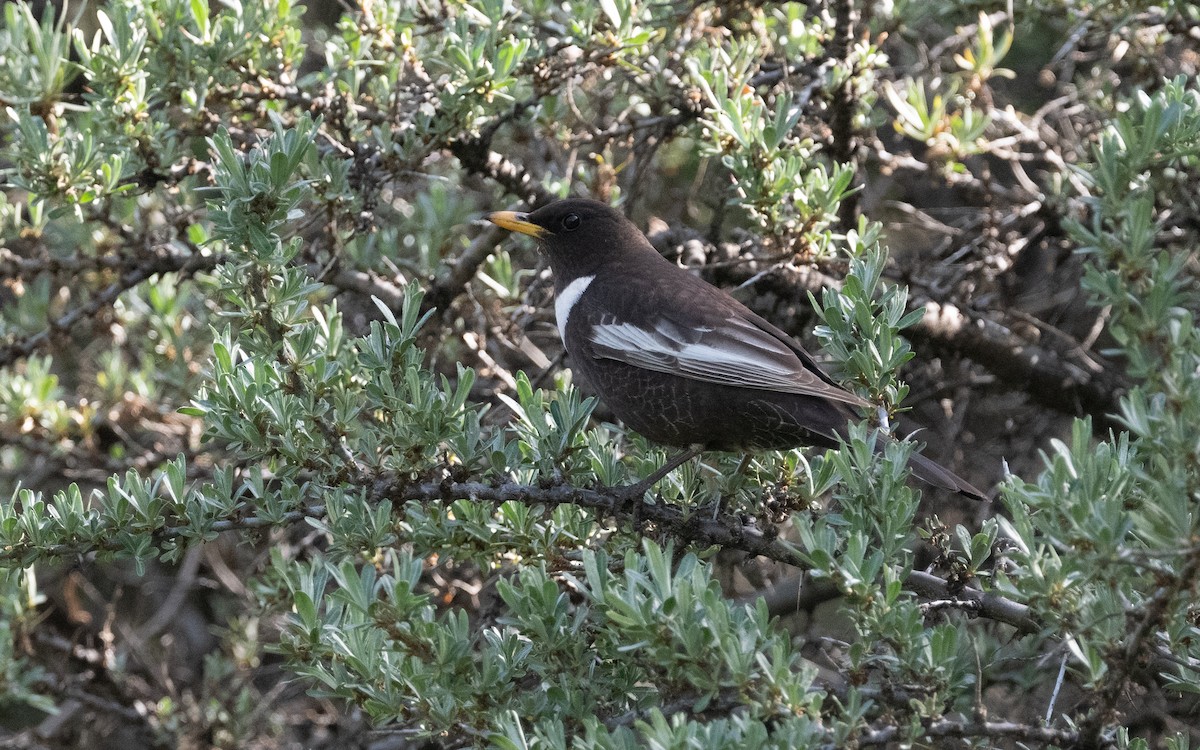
x: 516, y: 222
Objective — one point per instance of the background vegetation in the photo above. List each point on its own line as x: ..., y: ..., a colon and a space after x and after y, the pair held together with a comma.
x: 290, y: 456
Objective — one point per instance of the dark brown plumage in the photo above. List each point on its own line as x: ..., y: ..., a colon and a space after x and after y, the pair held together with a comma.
x: 677, y: 359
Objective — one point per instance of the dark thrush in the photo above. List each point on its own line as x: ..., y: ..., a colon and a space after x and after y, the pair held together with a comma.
x: 677, y: 359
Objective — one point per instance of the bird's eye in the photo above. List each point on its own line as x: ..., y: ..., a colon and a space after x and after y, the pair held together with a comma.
x: 571, y: 222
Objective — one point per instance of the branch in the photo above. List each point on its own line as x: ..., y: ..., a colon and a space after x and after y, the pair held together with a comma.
x: 134, y: 273
x: 700, y: 529
x: 362, y: 282
x: 796, y: 593
x: 991, y: 606
x: 683, y: 524
x: 977, y: 729
x: 842, y: 104
x: 727, y: 531
x: 449, y: 285
x: 476, y: 156
x: 1152, y: 615
x: 1065, y: 378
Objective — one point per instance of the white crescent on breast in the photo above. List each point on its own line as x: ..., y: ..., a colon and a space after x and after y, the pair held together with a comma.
x: 565, y: 300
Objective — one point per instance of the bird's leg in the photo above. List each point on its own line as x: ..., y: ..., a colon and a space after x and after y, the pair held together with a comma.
x: 637, y: 490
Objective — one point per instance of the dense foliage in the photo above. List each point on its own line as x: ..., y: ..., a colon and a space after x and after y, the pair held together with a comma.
x: 290, y: 456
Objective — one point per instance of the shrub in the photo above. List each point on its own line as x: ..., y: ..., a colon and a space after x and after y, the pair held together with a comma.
x: 290, y: 458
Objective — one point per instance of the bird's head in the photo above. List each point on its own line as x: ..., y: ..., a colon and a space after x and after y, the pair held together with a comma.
x: 578, y: 235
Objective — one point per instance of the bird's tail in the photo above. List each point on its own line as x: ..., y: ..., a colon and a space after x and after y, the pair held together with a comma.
x: 931, y: 472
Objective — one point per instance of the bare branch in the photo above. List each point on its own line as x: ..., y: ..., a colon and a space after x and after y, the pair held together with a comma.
x: 978, y: 729
x: 133, y: 274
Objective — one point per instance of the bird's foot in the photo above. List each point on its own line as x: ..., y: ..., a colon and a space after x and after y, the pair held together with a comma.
x: 633, y: 492
x: 630, y: 501
x: 713, y: 508
x: 630, y: 497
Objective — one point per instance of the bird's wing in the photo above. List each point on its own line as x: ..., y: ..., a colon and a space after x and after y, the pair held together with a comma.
x: 737, y: 350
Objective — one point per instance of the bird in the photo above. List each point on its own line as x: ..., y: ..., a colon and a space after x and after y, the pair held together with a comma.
x: 679, y: 360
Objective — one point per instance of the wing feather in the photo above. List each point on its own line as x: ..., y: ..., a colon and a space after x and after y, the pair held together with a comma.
x: 734, y: 351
